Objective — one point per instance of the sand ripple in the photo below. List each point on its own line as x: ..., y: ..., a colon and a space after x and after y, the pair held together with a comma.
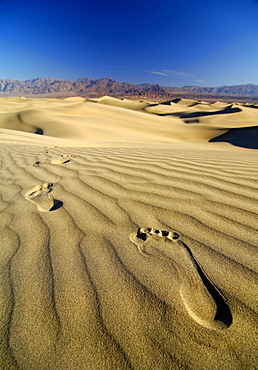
x: 76, y: 293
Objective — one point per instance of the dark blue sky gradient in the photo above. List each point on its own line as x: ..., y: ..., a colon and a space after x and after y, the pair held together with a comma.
x: 173, y: 43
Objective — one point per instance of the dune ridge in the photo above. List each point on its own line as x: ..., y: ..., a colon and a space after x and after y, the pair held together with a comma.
x: 75, y: 292
x: 97, y: 120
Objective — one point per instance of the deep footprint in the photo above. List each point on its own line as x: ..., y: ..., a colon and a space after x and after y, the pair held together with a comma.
x: 41, y: 197
x: 201, y: 299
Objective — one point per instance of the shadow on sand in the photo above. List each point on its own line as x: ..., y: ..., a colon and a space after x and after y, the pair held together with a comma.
x: 246, y: 137
x: 58, y: 204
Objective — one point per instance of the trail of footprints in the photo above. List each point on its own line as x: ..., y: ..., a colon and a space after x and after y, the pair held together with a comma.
x: 201, y: 299
x: 40, y: 194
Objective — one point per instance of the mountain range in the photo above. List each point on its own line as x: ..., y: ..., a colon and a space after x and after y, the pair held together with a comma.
x: 107, y: 86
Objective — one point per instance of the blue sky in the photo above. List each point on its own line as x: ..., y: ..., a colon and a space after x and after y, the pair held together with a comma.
x: 172, y: 43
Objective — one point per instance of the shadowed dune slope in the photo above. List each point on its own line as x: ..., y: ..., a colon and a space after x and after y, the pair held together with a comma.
x: 246, y: 137
x: 125, y: 254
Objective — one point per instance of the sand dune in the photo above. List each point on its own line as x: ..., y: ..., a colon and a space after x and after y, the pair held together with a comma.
x: 113, y: 120
x: 128, y: 236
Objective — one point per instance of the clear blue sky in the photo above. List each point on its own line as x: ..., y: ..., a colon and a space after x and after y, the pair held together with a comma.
x: 172, y: 43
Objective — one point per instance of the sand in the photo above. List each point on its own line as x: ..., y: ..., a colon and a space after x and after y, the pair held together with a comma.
x: 128, y: 234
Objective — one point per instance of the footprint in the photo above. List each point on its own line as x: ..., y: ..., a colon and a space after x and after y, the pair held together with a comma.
x: 36, y: 164
x: 201, y: 299
x: 41, y: 197
x: 63, y: 159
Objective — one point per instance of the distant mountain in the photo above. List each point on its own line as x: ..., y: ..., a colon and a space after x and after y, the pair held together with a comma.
x: 107, y: 86
x: 240, y: 90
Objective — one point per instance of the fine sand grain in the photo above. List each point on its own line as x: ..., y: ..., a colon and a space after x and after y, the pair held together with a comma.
x: 128, y: 234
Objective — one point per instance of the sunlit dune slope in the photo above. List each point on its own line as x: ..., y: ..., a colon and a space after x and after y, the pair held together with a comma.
x: 112, y: 120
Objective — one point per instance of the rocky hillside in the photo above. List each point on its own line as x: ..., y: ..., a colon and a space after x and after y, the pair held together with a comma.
x: 240, y: 90
x: 107, y: 86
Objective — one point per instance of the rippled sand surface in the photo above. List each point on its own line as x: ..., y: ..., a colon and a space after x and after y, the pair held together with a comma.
x: 128, y: 235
